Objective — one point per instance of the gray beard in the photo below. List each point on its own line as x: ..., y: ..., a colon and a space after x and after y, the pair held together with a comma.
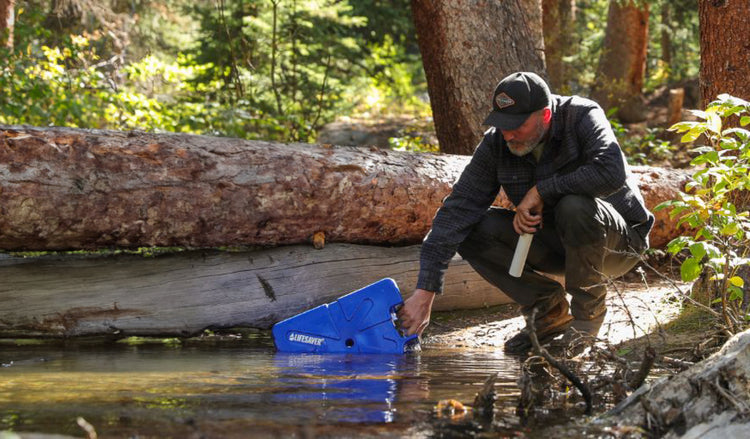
x: 527, y: 149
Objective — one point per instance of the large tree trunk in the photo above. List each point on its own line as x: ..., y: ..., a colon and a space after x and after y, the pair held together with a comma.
x: 184, y: 293
x: 622, y: 65
x: 66, y: 188
x: 725, y: 53
x: 559, y: 16
x: 467, y: 46
x: 7, y: 22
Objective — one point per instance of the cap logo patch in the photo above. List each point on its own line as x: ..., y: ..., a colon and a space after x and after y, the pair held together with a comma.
x: 502, y: 100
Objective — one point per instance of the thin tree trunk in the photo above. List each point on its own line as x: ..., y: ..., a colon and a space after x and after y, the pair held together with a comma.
x: 666, y: 35
x: 725, y: 48
x: 467, y: 46
x: 7, y: 22
x: 622, y: 65
x: 559, y: 16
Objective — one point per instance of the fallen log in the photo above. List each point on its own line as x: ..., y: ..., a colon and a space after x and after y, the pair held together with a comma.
x: 710, y: 399
x: 183, y: 293
x: 65, y: 188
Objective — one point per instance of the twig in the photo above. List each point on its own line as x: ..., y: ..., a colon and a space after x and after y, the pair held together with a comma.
x: 648, y: 362
x: 741, y: 406
x: 633, y: 325
x: 539, y: 350
x: 674, y: 362
x: 679, y: 290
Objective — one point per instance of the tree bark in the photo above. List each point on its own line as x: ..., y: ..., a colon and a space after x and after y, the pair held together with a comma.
x: 622, y: 65
x: 707, y: 400
x: 184, y: 293
x: 467, y: 46
x: 558, y: 18
x: 64, y: 188
x: 725, y: 51
x: 7, y: 23
x: 69, y: 189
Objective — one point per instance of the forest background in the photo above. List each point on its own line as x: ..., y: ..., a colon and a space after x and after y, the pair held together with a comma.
x: 282, y: 69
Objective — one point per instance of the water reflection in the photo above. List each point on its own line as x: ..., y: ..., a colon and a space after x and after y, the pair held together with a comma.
x: 160, y: 391
x: 364, y: 387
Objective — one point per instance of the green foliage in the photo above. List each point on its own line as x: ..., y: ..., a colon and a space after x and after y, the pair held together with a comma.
x: 673, y: 46
x: 669, y: 60
x: 715, y: 204
x: 645, y: 149
x: 258, y: 69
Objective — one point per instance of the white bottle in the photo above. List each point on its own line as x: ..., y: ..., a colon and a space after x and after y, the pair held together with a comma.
x: 519, y: 257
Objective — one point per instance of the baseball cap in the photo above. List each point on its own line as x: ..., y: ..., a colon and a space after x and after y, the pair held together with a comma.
x: 516, y: 97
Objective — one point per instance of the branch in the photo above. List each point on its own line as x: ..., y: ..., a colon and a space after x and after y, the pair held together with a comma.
x: 573, y: 378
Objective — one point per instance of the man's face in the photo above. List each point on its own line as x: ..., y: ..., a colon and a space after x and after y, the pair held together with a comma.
x: 525, y: 138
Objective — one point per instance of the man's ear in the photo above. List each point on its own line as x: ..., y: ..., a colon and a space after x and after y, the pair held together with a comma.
x: 547, y: 115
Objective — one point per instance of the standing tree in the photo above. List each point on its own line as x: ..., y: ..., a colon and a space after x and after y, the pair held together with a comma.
x: 7, y: 19
x: 558, y: 40
x: 467, y: 47
x: 725, y: 48
x: 622, y: 65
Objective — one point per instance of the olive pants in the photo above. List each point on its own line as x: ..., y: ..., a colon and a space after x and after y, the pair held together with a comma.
x: 585, y: 239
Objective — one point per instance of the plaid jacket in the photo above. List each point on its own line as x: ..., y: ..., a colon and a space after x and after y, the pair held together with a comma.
x: 581, y: 156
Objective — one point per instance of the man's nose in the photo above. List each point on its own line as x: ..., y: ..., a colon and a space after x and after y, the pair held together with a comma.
x: 508, y: 135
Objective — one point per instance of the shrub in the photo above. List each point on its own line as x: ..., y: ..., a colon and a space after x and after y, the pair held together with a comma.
x: 714, y: 207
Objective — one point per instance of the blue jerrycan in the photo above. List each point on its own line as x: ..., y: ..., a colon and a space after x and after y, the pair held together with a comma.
x: 359, y: 322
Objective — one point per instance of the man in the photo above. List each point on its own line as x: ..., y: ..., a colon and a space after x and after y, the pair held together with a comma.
x: 559, y: 162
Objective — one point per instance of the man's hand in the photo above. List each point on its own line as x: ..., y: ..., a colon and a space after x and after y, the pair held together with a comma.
x: 414, y: 315
x: 529, y: 213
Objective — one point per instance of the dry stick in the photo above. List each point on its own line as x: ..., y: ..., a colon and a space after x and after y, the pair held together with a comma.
x: 741, y: 406
x: 539, y: 350
x: 627, y: 310
x: 679, y: 290
x: 648, y: 362
x: 674, y: 362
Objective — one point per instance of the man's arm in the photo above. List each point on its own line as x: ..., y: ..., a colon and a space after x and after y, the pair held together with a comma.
x: 470, y: 198
x: 603, y: 171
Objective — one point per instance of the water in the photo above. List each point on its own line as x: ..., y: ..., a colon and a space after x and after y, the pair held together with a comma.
x: 239, y: 389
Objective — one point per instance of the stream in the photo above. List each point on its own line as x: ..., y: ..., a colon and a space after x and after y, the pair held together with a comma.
x: 243, y: 388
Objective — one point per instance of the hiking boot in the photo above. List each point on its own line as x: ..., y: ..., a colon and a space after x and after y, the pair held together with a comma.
x: 578, y: 337
x: 554, y: 323
x: 571, y: 343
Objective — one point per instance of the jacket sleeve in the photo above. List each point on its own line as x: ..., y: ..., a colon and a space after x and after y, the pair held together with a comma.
x: 603, y: 168
x: 470, y: 198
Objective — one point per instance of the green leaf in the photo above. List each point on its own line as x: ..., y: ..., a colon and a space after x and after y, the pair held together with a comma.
x: 713, y: 122
x: 735, y: 293
x: 729, y: 229
x: 663, y: 205
x: 744, y: 120
x: 682, y: 126
x: 677, y: 244
x: 690, y: 270
x: 693, y: 134
x: 698, y: 250
x: 737, y: 281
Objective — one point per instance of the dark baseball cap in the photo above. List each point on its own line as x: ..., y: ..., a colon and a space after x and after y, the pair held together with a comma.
x: 516, y: 97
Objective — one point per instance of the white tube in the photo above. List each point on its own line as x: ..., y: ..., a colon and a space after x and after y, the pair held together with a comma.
x: 519, y: 257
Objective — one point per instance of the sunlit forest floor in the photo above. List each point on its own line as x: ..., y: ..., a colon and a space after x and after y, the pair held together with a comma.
x: 643, y: 310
